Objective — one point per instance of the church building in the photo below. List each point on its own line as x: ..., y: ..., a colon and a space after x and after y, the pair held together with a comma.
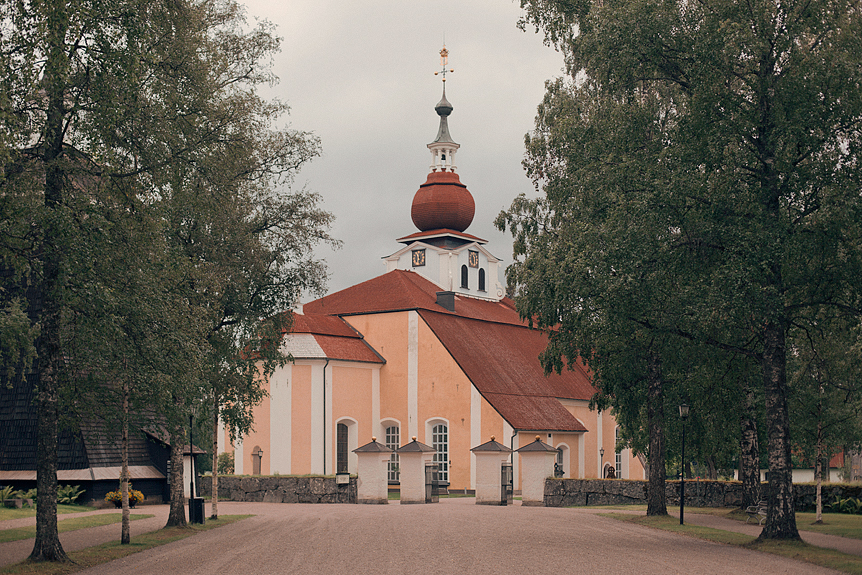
x: 431, y: 349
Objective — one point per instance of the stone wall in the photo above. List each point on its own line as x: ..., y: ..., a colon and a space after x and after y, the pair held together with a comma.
x: 698, y: 493
x: 281, y: 489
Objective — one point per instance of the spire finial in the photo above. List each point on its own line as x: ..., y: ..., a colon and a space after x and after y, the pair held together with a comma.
x: 444, y: 63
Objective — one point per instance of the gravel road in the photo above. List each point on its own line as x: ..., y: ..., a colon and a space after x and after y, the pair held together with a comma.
x: 454, y: 536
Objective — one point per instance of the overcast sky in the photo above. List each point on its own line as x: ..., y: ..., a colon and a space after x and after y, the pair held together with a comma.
x: 360, y: 75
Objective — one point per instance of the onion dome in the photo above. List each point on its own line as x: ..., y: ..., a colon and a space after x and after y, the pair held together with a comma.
x: 443, y: 202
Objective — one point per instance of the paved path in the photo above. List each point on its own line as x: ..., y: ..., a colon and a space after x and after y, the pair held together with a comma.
x: 454, y: 536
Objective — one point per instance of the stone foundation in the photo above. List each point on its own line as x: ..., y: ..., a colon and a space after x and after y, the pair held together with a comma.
x: 281, y: 489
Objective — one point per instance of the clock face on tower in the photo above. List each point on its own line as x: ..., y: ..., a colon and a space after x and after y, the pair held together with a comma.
x: 418, y: 258
x: 473, y: 258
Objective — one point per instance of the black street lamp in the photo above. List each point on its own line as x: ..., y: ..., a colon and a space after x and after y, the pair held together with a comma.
x: 683, y: 414
x: 602, y: 462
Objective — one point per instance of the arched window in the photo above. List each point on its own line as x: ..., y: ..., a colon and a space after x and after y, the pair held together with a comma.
x: 464, y: 277
x: 393, y: 440
x: 341, y: 449
x: 440, y: 442
x: 481, y: 280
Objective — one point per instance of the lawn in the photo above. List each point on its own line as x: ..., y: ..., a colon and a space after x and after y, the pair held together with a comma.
x: 7, y: 513
x: 106, y: 552
x: 794, y: 550
x: 71, y: 524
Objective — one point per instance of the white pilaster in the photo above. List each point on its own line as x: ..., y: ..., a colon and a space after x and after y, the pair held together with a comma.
x: 412, y: 376
x: 280, y: 427
x: 237, y: 457
x: 330, y: 428
x: 475, y: 429
x: 316, y: 417
x: 581, y: 450
x: 375, y: 405
x: 599, y: 444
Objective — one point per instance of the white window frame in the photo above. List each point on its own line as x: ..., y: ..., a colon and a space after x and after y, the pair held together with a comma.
x: 443, y: 463
x: 393, y: 474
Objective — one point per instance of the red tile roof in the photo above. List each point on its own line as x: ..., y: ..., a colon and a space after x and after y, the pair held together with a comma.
x: 487, y: 339
x: 402, y: 290
x: 336, y: 339
x: 502, y: 362
x: 322, y: 324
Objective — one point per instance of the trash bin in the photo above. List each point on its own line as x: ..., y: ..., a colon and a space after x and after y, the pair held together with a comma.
x: 196, y: 510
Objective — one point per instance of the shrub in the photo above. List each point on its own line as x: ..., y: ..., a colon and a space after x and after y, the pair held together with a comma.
x: 116, y: 497
x: 225, y: 463
x: 68, y: 494
x: 851, y: 505
x: 9, y: 492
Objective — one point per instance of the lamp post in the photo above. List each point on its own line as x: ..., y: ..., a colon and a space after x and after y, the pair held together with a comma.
x: 602, y: 462
x: 191, y: 456
x: 683, y: 414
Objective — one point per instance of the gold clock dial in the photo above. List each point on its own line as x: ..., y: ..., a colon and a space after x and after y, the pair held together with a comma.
x: 418, y: 258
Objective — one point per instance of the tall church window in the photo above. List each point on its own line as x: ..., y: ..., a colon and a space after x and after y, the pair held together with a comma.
x: 393, y: 440
x: 440, y: 442
x: 481, y: 280
x: 464, y: 277
x: 341, y: 448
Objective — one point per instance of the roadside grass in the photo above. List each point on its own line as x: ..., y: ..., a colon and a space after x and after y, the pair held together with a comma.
x: 7, y: 513
x: 92, y: 556
x: 71, y: 524
x: 840, y: 524
x: 794, y: 550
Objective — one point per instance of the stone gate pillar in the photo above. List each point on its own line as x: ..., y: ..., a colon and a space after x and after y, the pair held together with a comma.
x: 489, y: 485
x: 537, y: 464
x: 372, y: 485
x: 412, y: 458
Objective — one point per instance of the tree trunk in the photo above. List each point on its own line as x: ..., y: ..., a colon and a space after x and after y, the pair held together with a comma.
x: 47, y: 546
x: 656, y: 497
x: 780, y: 517
x: 177, y: 513
x: 749, y: 452
x: 125, y: 534
x: 710, y: 464
x: 818, y: 460
x: 215, y: 460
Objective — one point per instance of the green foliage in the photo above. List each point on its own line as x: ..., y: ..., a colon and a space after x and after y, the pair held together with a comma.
x: 69, y: 494
x: 700, y: 209
x: 225, y: 463
x: 9, y: 492
x: 850, y: 505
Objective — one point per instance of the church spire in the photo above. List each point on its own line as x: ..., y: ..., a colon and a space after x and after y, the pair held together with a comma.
x: 443, y: 148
